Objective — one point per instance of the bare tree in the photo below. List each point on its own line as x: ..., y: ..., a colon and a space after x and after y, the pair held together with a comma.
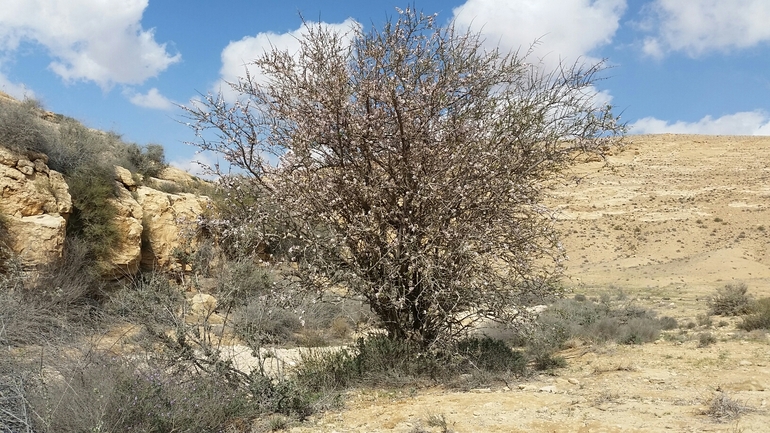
x: 412, y: 166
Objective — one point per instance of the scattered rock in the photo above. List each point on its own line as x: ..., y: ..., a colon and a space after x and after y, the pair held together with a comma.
x: 203, y: 304
x: 125, y: 177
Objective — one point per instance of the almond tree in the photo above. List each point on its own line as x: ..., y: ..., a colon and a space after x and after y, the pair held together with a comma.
x: 413, y: 165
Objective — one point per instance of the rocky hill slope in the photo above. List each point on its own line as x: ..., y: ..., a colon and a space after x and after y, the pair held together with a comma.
x: 152, y: 224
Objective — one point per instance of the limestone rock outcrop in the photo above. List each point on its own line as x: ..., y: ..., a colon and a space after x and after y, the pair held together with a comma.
x: 35, y: 204
x: 126, y: 257
x: 170, y: 225
x: 154, y: 226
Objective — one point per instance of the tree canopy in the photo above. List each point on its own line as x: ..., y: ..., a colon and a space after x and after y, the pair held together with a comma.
x: 408, y: 165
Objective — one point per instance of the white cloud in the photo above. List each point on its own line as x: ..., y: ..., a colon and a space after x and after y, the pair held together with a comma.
x: 742, y: 123
x: 152, y: 99
x: 238, y: 55
x: 567, y: 29
x: 199, y: 165
x: 93, y: 40
x: 697, y: 27
x: 17, y: 90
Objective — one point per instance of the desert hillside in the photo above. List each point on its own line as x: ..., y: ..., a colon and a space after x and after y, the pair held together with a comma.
x: 679, y: 213
x: 663, y: 223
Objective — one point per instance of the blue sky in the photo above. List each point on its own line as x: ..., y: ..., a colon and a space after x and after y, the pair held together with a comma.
x: 685, y: 66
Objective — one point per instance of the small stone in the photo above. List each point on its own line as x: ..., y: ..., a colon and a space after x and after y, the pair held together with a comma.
x: 745, y: 363
x: 548, y: 389
x: 40, y: 166
x: 481, y: 390
x: 573, y: 381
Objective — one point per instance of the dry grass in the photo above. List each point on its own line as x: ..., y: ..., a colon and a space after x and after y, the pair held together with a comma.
x: 723, y: 408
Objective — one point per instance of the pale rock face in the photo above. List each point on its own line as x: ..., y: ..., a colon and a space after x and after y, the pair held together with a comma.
x: 170, y: 223
x: 38, y: 239
x: 179, y: 177
x: 36, y: 203
x: 127, y: 254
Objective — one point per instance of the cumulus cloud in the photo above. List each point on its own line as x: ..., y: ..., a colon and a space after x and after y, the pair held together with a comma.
x: 152, y: 99
x: 91, y: 40
x: 17, y: 90
x: 200, y: 165
x: 567, y: 29
x: 697, y: 27
x: 238, y: 55
x: 742, y: 123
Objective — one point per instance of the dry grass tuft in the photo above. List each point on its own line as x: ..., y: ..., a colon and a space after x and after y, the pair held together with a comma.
x: 722, y: 408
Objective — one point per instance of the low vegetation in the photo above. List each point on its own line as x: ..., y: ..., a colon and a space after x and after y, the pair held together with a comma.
x: 723, y: 408
x: 758, y: 316
x: 586, y: 320
x: 731, y: 300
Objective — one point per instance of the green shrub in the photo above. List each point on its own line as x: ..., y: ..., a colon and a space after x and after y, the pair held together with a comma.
x: 22, y: 129
x: 327, y: 370
x: 376, y: 360
x: 491, y: 355
x: 547, y: 361
x: 704, y: 320
x: 706, y: 339
x: 639, y: 331
x: 731, y: 300
x: 263, y: 322
x: 148, y: 160
x: 103, y: 393
x: 160, y: 301
x: 6, y: 253
x: 758, y: 317
x: 597, y: 322
x: 668, y: 323
x: 93, y: 216
x: 379, y: 360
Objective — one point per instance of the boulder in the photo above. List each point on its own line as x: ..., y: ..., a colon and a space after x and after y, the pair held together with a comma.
x: 125, y: 177
x: 35, y: 204
x: 177, y: 176
x: 37, y: 240
x: 203, y: 304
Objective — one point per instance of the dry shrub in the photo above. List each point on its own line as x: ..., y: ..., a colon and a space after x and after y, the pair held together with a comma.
x: 722, y: 408
x: 730, y: 300
x: 55, y: 303
x: 759, y: 316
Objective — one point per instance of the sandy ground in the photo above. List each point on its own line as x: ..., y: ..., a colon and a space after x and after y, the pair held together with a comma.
x: 666, y: 222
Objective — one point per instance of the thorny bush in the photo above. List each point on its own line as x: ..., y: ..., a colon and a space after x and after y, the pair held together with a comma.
x: 408, y: 166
